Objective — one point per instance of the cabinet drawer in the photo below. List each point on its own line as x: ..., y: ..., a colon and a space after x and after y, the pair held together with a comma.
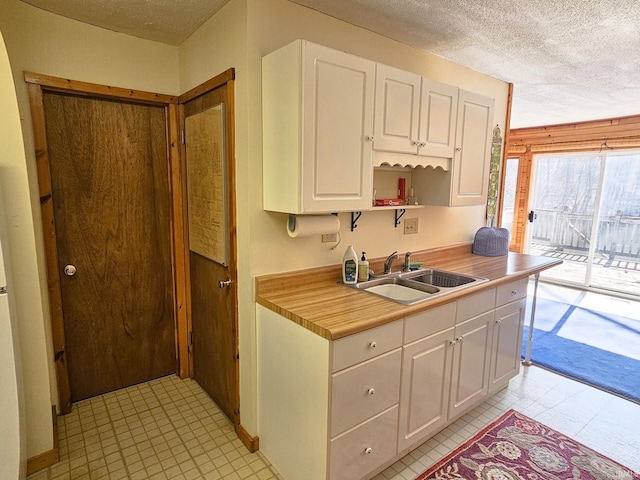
x: 511, y: 292
x: 473, y: 305
x: 365, y: 345
x: 365, y: 390
x: 427, y: 323
x: 365, y: 448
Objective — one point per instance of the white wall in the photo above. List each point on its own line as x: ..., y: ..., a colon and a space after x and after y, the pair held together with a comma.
x: 274, y: 23
x: 237, y: 36
x: 13, y: 455
x: 40, y: 42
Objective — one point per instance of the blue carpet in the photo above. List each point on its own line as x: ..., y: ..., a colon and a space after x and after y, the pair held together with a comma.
x: 615, y: 373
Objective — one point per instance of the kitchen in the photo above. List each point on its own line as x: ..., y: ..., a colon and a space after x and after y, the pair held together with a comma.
x: 242, y: 32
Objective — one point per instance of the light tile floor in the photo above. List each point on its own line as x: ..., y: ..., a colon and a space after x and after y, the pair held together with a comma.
x: 603, y: 422
x: 164, y: 429
x: 170, y: 429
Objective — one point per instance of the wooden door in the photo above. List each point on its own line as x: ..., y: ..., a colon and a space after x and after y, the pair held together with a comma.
x: 109, y: 188
x: 208, y: 137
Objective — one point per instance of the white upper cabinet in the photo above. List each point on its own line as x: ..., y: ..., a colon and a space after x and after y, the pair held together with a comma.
x: 317, y: 122
x: 413, y: 115
x: 438, y: 113
x: 467, y: 180
x: 397, y: 110
x: 470, y: 168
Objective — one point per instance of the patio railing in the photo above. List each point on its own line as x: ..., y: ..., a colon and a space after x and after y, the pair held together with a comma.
x: 617, y: 235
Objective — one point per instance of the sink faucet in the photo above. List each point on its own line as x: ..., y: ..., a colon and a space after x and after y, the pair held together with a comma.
x: 407, y: 262
x: 389, y: 261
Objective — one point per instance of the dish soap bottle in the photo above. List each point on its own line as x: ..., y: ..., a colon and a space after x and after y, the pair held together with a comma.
x: 350, y: 266
x: 363, y: 269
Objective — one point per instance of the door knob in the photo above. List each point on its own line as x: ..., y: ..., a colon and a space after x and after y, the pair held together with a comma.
x: 225, y: 283
x: 70, y: 270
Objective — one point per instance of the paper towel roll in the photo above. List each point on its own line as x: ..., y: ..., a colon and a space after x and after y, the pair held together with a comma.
x: 307, y: 225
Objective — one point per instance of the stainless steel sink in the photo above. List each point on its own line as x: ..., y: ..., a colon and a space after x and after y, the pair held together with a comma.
x: 417, y: 286
x: 440, y: 278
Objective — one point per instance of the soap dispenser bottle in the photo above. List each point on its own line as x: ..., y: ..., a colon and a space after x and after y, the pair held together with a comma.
x: 363, y: 269
x: 350, y: 266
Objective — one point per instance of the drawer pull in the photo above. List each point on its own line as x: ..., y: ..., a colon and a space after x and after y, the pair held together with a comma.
x: 371, y: 392
x: 514, y: 292
x: 368, y: 451
x: 373, y: 345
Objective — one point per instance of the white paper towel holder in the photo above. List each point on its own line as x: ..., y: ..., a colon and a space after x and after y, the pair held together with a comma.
x: 291, y: 223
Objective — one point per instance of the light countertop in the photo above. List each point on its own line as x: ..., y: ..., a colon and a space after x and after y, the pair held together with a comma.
x: 315, y: 298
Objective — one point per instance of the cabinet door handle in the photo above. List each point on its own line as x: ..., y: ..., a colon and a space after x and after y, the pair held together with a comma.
x: 417, y: 144
x: 459, y: 340
x: 458, y: 149
x: 371, y: 392
x: 368, y: 451
x: 368, y: 138
x: 373, y: 345
x: 498, y: 322
x: 452, y: 343
x: 514, y: 292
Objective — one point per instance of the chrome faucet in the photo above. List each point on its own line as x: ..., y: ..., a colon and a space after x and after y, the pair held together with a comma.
x: 389, y: 261
x: 407, y: 262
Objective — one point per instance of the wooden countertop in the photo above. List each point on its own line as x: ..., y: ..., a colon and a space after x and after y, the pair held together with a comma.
x: 315, y: 299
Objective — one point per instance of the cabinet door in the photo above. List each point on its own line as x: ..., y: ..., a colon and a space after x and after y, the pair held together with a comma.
x: 396, y: 110
x: 471, y: 355
x: 337, y: 99
x: 426, y: 374
x: 507, y: 344
x: 438, y: 114
x: 470, y: 167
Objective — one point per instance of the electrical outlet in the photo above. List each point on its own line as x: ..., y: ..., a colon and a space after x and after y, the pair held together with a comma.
x: 329, y: 237
x: 410, y: 226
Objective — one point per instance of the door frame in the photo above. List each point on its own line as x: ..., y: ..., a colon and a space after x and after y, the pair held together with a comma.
x: 37, y: 84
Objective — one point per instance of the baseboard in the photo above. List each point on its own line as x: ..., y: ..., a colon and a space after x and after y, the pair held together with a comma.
x: 50, y: 457
x: 252, y: 443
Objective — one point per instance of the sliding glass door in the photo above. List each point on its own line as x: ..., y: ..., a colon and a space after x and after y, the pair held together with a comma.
x: 586, y: 211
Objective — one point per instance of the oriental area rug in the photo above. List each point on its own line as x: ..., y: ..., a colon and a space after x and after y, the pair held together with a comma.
x: 516, y: 447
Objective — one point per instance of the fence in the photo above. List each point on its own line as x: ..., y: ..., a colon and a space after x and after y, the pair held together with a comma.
x: 617, y: 235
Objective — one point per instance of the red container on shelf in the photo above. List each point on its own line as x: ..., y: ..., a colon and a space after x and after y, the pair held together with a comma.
x: 402, y: 188
x: 388, y: 202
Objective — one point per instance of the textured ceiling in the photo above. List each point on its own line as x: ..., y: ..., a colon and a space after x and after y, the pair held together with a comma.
x: 166, y: 21
x: 569, y: 60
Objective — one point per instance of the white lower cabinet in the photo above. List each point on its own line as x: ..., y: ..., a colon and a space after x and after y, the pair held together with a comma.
x: 456, y: 355
x: 470, y: 370
x: 359, y: 451
x: 426, y: 373
x: 425, y: 394
x: 343, y: 410
x: 511, y: 303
